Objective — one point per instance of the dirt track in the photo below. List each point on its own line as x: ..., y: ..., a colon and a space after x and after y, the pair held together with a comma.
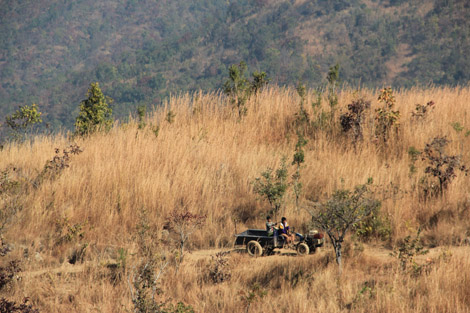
x: 194, y: 256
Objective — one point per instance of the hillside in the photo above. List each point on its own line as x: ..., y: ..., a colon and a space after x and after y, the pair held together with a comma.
x: 141, y: 51
x: 78, y: 225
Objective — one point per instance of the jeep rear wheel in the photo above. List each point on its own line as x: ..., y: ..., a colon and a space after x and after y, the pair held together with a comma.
x: 303, y: 249
x: 254, y: 248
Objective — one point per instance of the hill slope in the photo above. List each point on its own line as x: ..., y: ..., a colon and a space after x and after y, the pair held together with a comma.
x: 142, y: 50
x: 92, y: 213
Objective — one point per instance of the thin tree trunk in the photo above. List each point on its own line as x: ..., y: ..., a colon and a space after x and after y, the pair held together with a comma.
x: 338, y: 255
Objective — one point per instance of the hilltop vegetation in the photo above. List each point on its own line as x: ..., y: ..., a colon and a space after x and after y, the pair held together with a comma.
x: 143, y: 50
x: 84, y: 219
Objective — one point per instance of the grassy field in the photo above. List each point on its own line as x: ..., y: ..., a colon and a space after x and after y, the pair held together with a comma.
x: 205, y: 162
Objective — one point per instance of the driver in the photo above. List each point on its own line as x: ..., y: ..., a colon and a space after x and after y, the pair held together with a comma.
x: 285, y: 231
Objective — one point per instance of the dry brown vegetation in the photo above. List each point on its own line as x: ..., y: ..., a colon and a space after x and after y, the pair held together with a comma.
x: 205, y: 162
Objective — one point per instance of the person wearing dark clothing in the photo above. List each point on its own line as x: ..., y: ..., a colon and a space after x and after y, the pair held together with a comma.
x: 285, y: 231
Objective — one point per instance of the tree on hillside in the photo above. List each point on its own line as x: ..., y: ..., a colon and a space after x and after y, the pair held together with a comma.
x: 299, y: 158
x: 441, y: 167
x: 333, y: 84
x: 260, y: 80
x: 147, y: 269
x: 353, y: 120
x: 273, y: 186
x: 337, y: 215
x: 95, y: 114
x: 23, y: 120
x: 240, y: 89
x: 387, y: 120
x: 237, y: 87
x: 183, y: 223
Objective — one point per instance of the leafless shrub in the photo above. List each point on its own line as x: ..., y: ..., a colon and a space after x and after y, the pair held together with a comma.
x: 183, y: 223
x: 57, y: 164
x: 219, y: 270
x: 421, y: 111
x: 351, y: 122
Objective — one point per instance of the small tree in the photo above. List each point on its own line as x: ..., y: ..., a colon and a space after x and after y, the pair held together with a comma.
x: 386, y: 118
x: 273, y: 187
x: 95, y: 114
x: 406, y: 252
x: 183, y: 223
x: 299, y: 158
x: 441, y: 166
x: 260, y: 81
x: 141, y: 110
x: 351, y: 122
x: 341, y: 212
x: 170, y: 117
x: 54, y: 167
x: 302, y: 119
x: 152, y: 260
x: 151, y: 264
x: 23, y: 120
x: 238, y: 88
x: 333, y: 83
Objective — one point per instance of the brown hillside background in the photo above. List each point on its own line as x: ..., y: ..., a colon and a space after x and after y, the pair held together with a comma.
x: 206, y: 162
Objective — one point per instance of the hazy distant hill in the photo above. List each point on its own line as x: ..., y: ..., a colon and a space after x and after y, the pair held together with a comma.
x: 142, y: 50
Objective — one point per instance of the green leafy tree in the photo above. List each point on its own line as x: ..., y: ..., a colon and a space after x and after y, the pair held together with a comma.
x: 337, y: 215
x: 23, y: 120
x: 333, y: 83
x: 386, y: 118
x: 260, y: 81
x: 406, y: 252
x: 273, y: 186
x: 170, y: 117
x: 95, y: 113
x: 238, y: 88
x: 302, y: 119
x: 141, y: 110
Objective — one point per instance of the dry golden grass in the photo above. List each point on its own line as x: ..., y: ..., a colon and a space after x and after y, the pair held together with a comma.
x: 206, y: 161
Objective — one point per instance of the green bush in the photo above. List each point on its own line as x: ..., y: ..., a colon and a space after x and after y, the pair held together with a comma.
x: 23, y: 120
x: 95, y: 113
x: 273, y: 186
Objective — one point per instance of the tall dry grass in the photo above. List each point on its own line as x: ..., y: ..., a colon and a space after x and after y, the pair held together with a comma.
x: 206, y: 161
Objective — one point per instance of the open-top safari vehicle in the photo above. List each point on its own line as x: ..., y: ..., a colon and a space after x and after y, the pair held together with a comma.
x: 258, y: 242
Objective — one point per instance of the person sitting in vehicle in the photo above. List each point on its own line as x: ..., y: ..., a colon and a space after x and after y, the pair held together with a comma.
x: 270, y: 226
x: 285, y: 231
